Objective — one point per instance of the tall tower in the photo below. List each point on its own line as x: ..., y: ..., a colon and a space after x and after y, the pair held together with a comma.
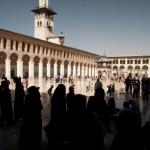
x: 43, y: 3
x: 43, y: 21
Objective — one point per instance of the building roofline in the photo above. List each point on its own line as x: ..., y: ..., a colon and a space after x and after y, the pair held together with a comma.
x: 123, y: 57
x: 33, y: 40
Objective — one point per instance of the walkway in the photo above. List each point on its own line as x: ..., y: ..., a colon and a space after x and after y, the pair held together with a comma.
x: 9, y: 134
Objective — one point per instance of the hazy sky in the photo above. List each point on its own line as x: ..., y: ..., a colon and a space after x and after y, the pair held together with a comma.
x: 113, y: 27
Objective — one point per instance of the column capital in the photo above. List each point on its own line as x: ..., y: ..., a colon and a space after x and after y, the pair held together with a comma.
x: 31, y: 59
x: 40, y: 61
x: 48, y: 62
x: 20, y: 46
x: 20, y: 58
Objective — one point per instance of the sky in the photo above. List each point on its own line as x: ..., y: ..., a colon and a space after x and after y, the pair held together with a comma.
x: 110, y: 27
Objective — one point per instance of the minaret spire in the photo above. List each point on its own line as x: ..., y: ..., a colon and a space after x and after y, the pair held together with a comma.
x: 43, y: 20
x: 43, y: 3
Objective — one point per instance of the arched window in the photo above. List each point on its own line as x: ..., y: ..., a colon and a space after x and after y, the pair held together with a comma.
x: 147, y: 61
x: 40, y: 23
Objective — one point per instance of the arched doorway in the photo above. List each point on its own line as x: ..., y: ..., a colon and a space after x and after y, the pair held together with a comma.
x: 52, y: 68
x: 145, y: 70
x: 36, y: 66
x: 137, y: 70
x: 77, y: 65
x: 115, y: 70
x: 81, y: 71
x: 13, y: 58
x: 45, y: 60
x: 130, y: 69
x: 58, y: 67
x: 26, y: 60
x: 2, y: 64
x: 72, y: 64
x: 66, y: 69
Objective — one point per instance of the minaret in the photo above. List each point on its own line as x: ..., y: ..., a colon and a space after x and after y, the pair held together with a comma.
x: 43, y: 3
x: 43, y: 21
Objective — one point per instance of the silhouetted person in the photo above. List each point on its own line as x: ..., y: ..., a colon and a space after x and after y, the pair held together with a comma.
x: 97, y: 104
x: 146, y: 132
x: 6, y: 103
x: 56, y: 131
x: 19, y: 99
x: 69, y: 97
x: 145, y: 87
x: 129, y: 135
x: 50, y: 91
x: 136, y: 87
x: 85, y: 129
x: 111, y: 106
x: 132, y: 105
x: 128, y: 83
x: 98, y: 84
x: 31, y: 128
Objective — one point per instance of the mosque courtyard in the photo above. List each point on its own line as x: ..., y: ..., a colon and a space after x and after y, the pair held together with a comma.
x: 9, y: 134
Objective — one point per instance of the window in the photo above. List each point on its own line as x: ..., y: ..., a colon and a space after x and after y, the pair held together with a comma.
x: 139, y: 61
x: 147, y: 61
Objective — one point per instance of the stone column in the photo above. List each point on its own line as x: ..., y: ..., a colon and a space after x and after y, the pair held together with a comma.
x: 31, y: 48
x: 93, y: 71
x: 96, y: 71
x: 26, y: 47
x: 78, y: 71
x: 2, y: 43
x: 20, y: 46
x: 7, y: 68
x: 8, y: 44
x: 82, y: 74
x: 31, y: 69
x: 148, y: 71
x: 40, y: 69
x: 20, y: 68
x: 89, y: 71
x: 74, y: 70
x: 86, y: 70
x: 14, y: 45
x: 48, y: 69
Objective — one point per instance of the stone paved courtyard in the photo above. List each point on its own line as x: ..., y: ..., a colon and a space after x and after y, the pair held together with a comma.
x: 9, y: 134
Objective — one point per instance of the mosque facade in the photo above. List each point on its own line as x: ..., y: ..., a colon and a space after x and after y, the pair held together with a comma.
x: 131, y: 64
x: 46, y: 55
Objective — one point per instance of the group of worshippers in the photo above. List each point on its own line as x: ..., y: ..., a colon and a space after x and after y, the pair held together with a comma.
x: 11, y: 109
x: 134, y: 85
x: 25, y: 108
x: 75, y: 121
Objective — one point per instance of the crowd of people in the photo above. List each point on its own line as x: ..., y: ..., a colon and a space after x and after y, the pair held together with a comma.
x: 134, y: 86
x: 76, y: 121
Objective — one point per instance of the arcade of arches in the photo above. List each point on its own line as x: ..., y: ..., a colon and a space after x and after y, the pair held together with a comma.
x: 22, y: 55
x: 140, y: 70
x: 35, y: 67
